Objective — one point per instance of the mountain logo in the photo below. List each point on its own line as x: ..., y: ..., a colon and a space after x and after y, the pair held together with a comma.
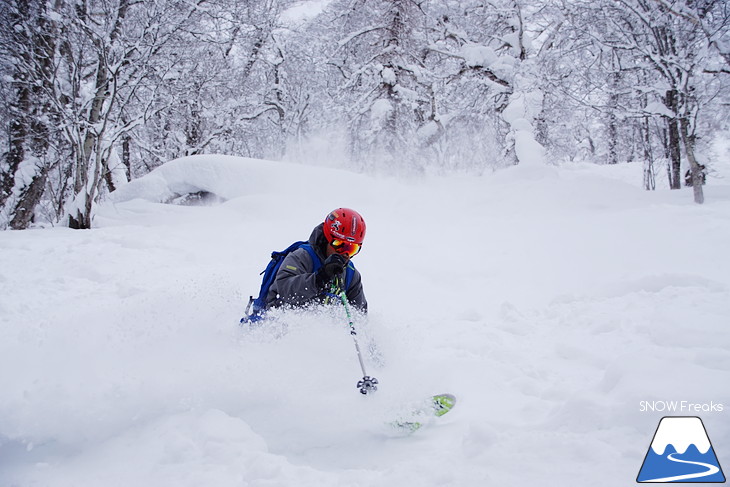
x: 680, y: 452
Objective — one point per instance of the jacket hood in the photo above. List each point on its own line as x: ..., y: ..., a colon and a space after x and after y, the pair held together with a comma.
x: 318, y: 241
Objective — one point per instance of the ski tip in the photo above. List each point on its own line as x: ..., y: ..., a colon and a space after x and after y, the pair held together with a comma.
x: 443, y: 403
x: 440, y: 404
x: 445, y: 396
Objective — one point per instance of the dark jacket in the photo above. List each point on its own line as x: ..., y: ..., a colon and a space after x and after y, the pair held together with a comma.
x: 294, y: 284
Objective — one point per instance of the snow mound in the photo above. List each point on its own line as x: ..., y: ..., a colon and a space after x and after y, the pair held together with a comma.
x: 225, y: 177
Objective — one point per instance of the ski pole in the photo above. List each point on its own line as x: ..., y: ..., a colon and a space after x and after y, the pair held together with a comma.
x: 367, y: 384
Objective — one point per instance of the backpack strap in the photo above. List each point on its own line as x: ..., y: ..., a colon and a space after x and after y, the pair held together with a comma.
x: 349, y: 274
x: 316, y: 261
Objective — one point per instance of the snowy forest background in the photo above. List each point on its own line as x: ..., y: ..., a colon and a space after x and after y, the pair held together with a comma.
x: 98, y: 92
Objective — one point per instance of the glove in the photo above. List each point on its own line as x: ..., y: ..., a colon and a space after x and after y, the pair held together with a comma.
x: 334, y: 265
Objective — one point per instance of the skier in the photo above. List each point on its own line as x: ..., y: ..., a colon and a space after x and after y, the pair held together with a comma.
x: 334, y: 242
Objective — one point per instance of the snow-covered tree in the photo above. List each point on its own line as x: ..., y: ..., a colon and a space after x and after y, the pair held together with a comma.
x: 101, y: 91
x: 96, y: 67
x: 28, y: 39
x: 384, y: 84
x: 647, y: 63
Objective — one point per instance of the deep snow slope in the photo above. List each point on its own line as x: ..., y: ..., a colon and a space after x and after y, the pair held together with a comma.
x: 552, y: 302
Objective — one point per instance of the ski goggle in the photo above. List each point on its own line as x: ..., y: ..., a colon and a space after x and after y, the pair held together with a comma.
x: 346, y: 248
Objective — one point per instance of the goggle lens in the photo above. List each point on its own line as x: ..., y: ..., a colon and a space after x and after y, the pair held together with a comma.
x: 346, y: 248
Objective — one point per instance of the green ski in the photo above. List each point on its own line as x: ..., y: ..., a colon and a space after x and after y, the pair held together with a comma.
x: 433, y: 408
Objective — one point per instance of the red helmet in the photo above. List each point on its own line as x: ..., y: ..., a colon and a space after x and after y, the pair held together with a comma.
x: 344, y: 224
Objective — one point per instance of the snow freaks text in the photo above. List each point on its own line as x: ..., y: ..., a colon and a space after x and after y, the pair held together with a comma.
x: 680, y: 407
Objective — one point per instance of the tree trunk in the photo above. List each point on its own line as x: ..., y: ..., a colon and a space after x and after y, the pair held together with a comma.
x: 127, y: 156
x: 109, y: 176
x: 24, y: 212
x: 30, y: 137
x: 613, y: 100
x: 79, y: 222
x: 91, y: 139
x: 649, y: 174
x: 612, y: 139
x: 673, y: 147
x: 19, y: 123
x: 16, y: 151
x: 696, y: 170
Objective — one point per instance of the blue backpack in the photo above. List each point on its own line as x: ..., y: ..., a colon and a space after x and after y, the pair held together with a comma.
x: 257, y: 306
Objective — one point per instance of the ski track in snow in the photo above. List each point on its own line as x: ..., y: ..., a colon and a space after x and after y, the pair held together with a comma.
x: 550, y: 301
